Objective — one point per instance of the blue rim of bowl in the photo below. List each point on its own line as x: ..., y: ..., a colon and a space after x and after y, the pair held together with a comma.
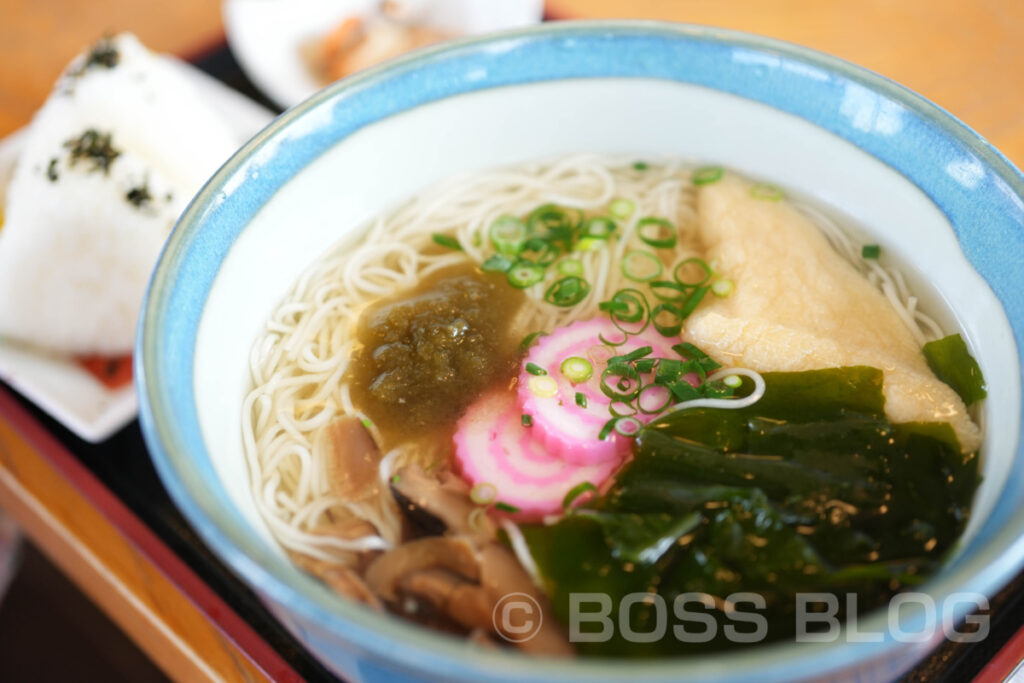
x: 166, y: 336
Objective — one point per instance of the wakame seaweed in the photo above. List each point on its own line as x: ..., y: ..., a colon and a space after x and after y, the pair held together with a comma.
x: 951, y: 362
x: 811, y: 489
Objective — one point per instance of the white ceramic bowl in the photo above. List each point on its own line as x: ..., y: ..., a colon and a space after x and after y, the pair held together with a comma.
x: 268, y: 36
x: 930, y: 190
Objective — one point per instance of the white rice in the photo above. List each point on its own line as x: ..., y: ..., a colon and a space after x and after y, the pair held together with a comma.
x: 75, y: 253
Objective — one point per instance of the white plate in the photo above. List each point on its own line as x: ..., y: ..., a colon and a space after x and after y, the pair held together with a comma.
x: 266, y: 36
x: 59, y: 385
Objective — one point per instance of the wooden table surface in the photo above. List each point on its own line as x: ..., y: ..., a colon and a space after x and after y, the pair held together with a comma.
x: 967, y: 56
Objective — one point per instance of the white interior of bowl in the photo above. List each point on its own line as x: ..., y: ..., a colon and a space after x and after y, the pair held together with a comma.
x: 390, y: 160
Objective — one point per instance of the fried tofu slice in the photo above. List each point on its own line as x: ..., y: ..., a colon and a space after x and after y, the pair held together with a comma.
x: 798, y: 305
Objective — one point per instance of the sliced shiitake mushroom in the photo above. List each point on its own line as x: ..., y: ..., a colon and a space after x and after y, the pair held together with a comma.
x: 451, y: 594
x: 436, y: 505
x: 455, y: 554
x: 500, y: 575
x: 351, y: 456
x: 339, y: 578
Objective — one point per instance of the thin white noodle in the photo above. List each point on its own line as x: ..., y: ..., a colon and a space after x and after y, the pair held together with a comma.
x: 522, y: 551
x: 387, y: 466
x: 298, y: 364
x: 889, y: 281
x: 728, y: 403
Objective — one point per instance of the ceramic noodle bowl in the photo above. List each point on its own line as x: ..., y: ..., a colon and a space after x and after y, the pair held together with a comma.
x: 937, y: 197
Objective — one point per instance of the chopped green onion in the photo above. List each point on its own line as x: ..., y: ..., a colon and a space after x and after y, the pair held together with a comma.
x: 600, y: 353
x: 696, y: 262
x: 674, y: 291
x: 446, y: 241
x: 535, y: 369
x: 732, y: 381
x: 505, y: 507
x: 645, y: 365
x: 600, y: 227
x: 628, y: 426
x: 508, y: 234
x: 581, y: 399
x: 553, y: 223
x: 366, y: 422
x: 476, y: 519
x: 577, y: 491
x: 548, y: 216
x: 621, y: 208
x: 395, y: 479
x: 527, y: 420
x: 591, y: 244
x: 483, y: 493
x: 543, y: 386
x: 607, y: 428
x: 707, y: 174
x: 613, y: 306
x: 626, y: 306
x: 657, y: 232
x: 529, y: 339
x: 691, y: 352
x: 663, y: 396
x: 722, y: 287
x: 570, y: 266
x: 498, y: 263
x: 692, y: 302
x: 766, y: 191
x: 640, y: 165
x: 627, y: 385
x: 666, y: 319
x: 524, y: 274
x: 577, y: 369
x: 625, y: 334
x: 540, y: 251
x: 683, y: 390
x: 870, y: 251
x: 671, y: 370
x: 629, y: 410
x: 568, y: 291
x: 719, y: 388
x: 635, y: 354
x: 640, y: 266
